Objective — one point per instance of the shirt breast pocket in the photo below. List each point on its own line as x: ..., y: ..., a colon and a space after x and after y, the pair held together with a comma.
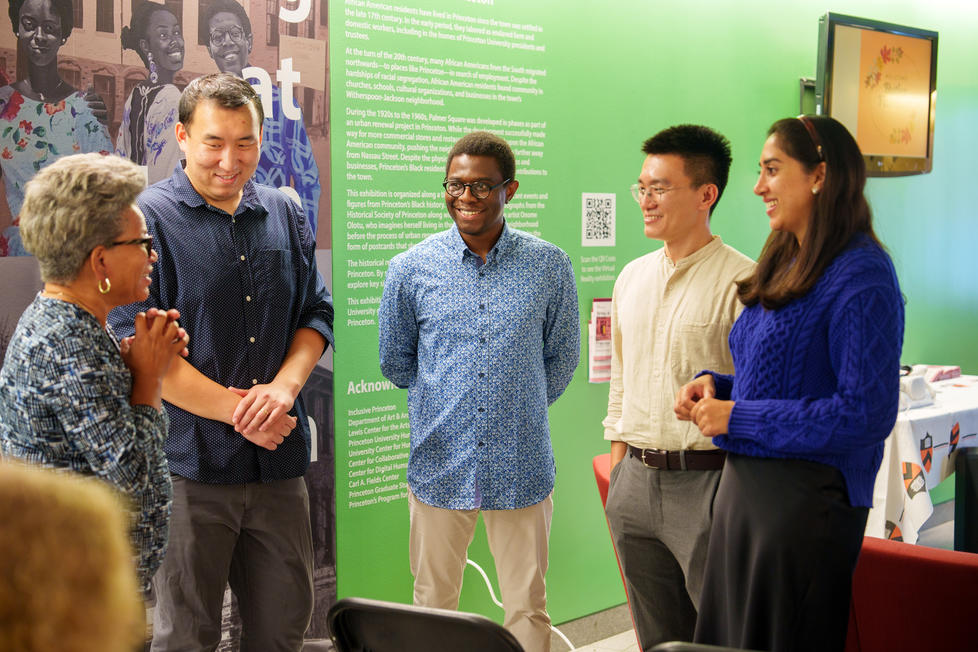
x: 699, y: 346
x: 274, y: 278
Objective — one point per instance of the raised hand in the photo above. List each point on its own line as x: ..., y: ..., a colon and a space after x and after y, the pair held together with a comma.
x: 148, y: 353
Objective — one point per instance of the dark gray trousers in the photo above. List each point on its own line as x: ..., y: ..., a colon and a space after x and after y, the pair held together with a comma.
x: 255, y: 537
x: 660, y: 523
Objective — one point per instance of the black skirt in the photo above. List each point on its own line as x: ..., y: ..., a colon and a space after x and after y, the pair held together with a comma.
x: 782, y: 551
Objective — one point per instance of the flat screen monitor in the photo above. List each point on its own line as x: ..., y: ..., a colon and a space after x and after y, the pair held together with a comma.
x: 880, y: 81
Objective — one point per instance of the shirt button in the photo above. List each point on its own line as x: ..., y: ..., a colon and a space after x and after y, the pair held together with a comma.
x: 248, y: 298
x: 242, y: 258
x: 482, y: 306
x: 482, y: 374
x: 482, y: 340
x: 254, y: 381
x: 482, y: 443
x: 482, y: 409
x: 251, y: 339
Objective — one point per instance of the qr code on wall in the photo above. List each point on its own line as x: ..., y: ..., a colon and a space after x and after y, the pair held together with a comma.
x: 598, y: 219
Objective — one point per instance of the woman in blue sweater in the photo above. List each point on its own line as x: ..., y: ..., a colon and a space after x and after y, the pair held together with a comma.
x: 816, y: 352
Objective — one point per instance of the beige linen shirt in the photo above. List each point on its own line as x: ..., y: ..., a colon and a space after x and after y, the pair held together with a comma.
x: 669, y: 321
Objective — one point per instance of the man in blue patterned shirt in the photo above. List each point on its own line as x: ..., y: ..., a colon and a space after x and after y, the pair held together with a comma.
x: 239, y: 258
x: 480, y: 323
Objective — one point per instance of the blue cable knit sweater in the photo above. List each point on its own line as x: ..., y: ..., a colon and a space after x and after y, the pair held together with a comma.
x: 818, y: 379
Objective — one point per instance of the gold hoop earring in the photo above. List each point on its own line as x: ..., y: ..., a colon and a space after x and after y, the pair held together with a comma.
x: 108, y: 286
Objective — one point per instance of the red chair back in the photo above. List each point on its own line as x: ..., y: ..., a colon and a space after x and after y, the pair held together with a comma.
x: 908, y: 597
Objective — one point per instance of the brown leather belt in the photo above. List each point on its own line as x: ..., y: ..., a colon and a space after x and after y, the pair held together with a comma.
x: 690, y: 460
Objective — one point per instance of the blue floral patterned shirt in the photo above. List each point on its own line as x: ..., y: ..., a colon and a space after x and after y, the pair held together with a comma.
x: 484, y: 349
x: 64, y: 403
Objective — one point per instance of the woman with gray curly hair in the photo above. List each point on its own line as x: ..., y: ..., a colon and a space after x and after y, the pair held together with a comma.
x: 72, y: 395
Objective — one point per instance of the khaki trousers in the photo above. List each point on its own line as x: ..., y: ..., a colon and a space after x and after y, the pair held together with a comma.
x: 518, y: 540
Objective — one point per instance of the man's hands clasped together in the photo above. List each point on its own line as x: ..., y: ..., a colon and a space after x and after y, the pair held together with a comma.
x: 262, y: 416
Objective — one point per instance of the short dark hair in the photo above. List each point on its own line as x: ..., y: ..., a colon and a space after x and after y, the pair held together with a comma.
x: 228, y: 91
x: 705, y: 153
x: 138, y: 24
x: 483, y: 143
x: 215, y: 7
x: 63, y: 8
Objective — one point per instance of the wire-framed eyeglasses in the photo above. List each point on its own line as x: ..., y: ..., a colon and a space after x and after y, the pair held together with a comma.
x: 640, y: 192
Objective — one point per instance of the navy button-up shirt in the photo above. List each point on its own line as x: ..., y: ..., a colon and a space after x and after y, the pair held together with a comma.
x: 244, y: 284
x: 483, y: 349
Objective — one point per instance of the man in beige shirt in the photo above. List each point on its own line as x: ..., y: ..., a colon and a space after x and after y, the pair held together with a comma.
x: 672, y: 310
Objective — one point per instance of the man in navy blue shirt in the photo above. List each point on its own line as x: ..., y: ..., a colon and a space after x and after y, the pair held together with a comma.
x: 480, y: 323
x: 238, y: 260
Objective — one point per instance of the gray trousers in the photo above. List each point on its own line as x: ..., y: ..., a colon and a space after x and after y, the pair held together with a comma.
x: 255, y: 537
x: 660, y: 523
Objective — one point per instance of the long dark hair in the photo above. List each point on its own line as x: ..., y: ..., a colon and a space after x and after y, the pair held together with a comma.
x: 785, y: 270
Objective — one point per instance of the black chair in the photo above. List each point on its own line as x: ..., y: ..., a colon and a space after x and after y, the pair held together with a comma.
x: 361, y: 625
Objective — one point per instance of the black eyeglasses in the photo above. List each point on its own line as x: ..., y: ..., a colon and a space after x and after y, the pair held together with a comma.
x: 146, y: 243
x: 236, y: 34
x: 479, y: 189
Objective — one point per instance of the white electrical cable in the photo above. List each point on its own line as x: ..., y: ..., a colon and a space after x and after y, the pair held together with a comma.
x: 492, y: 594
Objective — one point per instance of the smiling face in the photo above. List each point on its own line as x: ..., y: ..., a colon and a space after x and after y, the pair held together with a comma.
x: 479, y: 221
x: 230, y: 43
x: 40, y: 32
x: 222, y: 147
x: 164, y: 40
x: 674, y: 210
x: 786, y: 188
x: 128, y: 266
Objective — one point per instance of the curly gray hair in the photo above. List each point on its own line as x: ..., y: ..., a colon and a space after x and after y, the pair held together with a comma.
x: 74, y: 205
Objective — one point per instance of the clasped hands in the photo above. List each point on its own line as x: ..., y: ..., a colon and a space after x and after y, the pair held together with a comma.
x: 157, y: 337
x: 262, y: 415
x: 695, y: 402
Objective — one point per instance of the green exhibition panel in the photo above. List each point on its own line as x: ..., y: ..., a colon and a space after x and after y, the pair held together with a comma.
x: 575, y: 88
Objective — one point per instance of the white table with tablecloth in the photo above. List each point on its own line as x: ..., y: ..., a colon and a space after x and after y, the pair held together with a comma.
x: 918, y: 455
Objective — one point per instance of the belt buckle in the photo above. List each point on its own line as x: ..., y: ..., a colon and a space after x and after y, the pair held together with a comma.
x: 654, y: 451
x: 642, y: 457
